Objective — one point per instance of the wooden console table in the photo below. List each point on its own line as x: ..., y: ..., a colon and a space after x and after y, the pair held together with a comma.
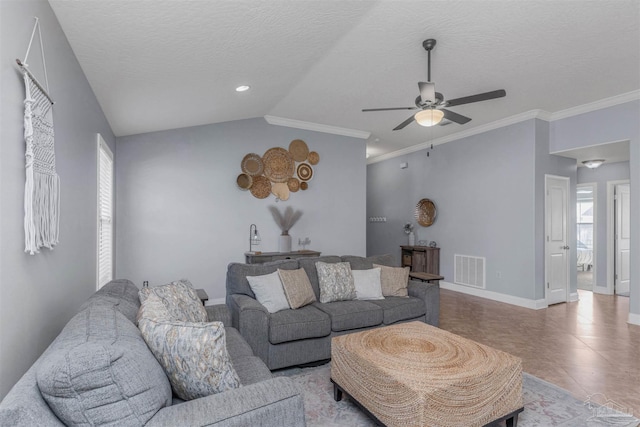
x: 426, y: 277
x: 262, y: 257
x: 421, y: 259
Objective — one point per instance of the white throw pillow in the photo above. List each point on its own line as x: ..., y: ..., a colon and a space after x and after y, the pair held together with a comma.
x: 269, y: 292
x: 368, y: 285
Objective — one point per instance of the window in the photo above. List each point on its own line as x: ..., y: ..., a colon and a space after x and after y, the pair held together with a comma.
x: 105, y: 213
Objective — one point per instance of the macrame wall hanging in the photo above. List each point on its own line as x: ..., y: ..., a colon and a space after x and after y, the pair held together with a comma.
x: 42, y: 185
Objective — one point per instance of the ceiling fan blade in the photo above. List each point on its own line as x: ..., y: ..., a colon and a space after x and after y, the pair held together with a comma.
x: 404, y: 124
x: 427, y: 91
x: 477, y: 98
x: 387, y: 109
x: 455, y: 117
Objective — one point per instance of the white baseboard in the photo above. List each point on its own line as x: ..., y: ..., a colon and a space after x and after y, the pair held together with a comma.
x: 634, y: 319
x: 602, y: 290
x: 495, y: 296
x: 573, y: 297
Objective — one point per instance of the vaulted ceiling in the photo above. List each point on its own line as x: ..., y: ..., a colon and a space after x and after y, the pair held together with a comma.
x: 164, y: 64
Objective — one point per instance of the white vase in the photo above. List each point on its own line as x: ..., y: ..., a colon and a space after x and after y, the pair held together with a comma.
x: 412, y: 239
x: 284, y: 243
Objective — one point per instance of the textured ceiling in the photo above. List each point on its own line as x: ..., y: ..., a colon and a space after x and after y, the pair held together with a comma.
x: 160, y: 64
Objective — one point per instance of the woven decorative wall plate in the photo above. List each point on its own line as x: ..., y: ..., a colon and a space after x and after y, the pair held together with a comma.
x: 305, y: 172
x: 252, y: 164
x: 299, y: 150
x: 425, y: 212
x: 261, y: 187
x: 278, y: 164
x: 304, y: 185
x: 244, y: 181
x: 314, y: 158
x: 280, y: 190
x: 293, y: 184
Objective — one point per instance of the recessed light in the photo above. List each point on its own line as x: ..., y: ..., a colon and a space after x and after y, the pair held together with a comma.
x: 243, y: 88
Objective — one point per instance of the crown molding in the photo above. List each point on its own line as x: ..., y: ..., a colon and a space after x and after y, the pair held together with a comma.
x: 299, y: 124
x: 596, y: 105
x: 533, y: 114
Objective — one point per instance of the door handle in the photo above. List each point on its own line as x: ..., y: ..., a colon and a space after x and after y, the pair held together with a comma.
x: 565, y: 247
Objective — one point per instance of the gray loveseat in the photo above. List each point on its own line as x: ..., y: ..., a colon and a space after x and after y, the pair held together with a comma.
x: 115, y: 380
x: 296, y: 337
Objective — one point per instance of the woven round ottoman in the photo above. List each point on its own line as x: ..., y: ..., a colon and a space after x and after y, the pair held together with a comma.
x: 414, y: 374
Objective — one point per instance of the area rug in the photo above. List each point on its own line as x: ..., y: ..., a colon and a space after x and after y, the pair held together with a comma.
x: 546, y: 405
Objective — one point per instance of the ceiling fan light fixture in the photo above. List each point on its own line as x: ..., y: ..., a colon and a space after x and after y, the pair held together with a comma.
x: 429, y: 117
x: 243, y: 88
x: 592, y: 164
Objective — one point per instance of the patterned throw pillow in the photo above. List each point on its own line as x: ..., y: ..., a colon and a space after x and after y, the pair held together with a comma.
x: 193, y: 354
x: 180, y: 299
x: 297, y: 287
x: 268, y: 291
x: 336, y: 281
x: 367, y: 283
x: 394, y: 280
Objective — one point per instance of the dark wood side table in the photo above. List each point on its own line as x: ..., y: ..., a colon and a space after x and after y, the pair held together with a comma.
x: 426, y: 277
x: 421, y: 259
x: 262, y: 257
x: 202, y: 294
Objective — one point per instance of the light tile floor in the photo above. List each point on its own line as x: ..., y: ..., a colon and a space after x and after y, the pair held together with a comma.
x: 586, y: 347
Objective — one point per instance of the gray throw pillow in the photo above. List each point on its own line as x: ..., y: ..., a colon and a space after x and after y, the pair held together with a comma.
x: 269, y: 292
x: 336, y: 281
x: 180, y: 299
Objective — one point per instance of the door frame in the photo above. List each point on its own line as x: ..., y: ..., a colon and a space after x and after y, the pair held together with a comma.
x: 567, y: 237
x: 594, y: 269
x: 611, y: 233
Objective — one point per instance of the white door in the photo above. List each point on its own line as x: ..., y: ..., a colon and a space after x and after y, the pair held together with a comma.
x: 556, y: 231
x: 623, y: 238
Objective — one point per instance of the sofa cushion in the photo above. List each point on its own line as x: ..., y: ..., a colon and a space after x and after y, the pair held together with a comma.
x: 237, y: 273
x: 336, y: 281
x: 394, y: 280
x: 347, y: 315
x: 193, y: 354
x: 297, y: 287
x: 269, y: 292
x: 367, y: 283
x: 292, y: 325
x: 237, y: 347
x: 120, y: 294
x: 102, y: 372
x: 396, y: 309
x: 362, y: 263
x: 309, y: 265
x: 180, y: 300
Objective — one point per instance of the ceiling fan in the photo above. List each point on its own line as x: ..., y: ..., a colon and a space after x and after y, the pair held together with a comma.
x: 432, y: 104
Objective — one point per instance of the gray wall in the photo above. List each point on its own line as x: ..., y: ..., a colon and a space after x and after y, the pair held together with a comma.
x: 40, y: 293
x: 617, y: 123
x: 180, y: 213
x: 483, y: 187
x: 600, y: 176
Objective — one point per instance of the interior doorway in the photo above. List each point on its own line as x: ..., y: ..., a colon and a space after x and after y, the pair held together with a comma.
x: 585, y: 235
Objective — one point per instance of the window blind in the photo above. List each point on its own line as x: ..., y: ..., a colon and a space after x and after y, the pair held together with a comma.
x: 105, y: 213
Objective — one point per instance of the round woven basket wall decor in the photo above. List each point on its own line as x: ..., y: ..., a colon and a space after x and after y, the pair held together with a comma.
x: 314, y: 158
x: 261, y: 187
x: 280, y: 190
x: 425, y: 212
x: 305, y: 172
x: 293, y: 184
x: 252, y: 164
x: 244, y: 181
x: 304, y: 185
x: 278, y: 164
x: 299, y: 150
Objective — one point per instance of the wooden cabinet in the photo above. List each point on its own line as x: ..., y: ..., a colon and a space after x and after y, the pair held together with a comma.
x: 262, y: 257
x: 421, y: 259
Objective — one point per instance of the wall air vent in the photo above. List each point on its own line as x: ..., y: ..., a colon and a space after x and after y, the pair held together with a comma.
x: 469, y: 271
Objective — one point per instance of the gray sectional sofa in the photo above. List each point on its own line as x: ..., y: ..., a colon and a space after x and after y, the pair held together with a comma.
x: 301, y: 336
x: 114, y: 379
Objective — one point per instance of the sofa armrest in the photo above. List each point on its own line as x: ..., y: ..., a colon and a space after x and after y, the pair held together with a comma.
x: 253, y: 324
x: 276, y: 401
x: 219, y: 313
x: 430, y: 294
